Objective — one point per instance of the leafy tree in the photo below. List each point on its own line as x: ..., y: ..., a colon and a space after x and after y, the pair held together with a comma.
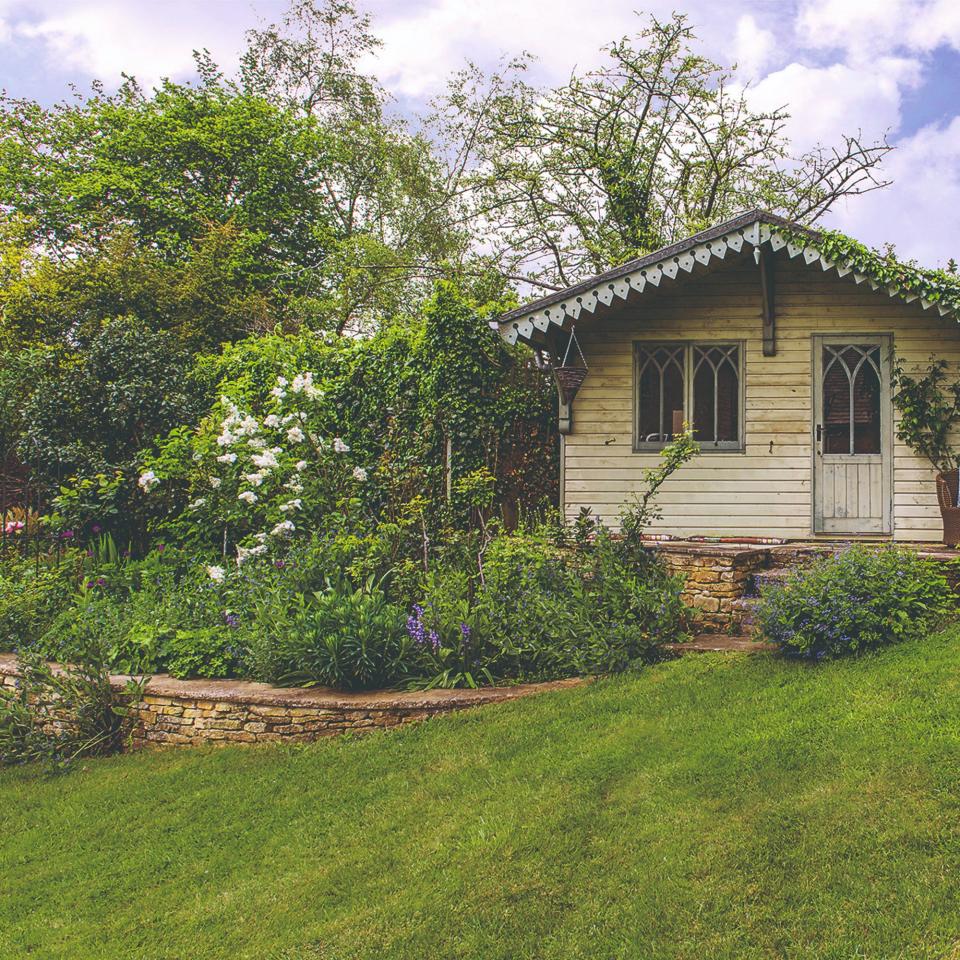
x: 657, y: 143
x: 205, y: 299
x: 340, y: 210
x: 79, y: 414
x: 309, y: 61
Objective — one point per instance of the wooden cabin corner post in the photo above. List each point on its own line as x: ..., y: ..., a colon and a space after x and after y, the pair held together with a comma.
x: 565, y: 414
x: 767, y: 265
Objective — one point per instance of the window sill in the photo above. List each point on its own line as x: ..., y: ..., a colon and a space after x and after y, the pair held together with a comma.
x: 708, y: 451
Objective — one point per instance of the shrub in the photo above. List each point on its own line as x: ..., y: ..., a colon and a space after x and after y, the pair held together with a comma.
x: 853, y: 601
x: 347, y: 637
x: 31, y: 597
x: 57, y: 717
x: 540, y: 611
x: 203, y: 652
x: 134, y: 609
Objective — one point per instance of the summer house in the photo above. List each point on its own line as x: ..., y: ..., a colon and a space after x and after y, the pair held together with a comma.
x: 780, y: 357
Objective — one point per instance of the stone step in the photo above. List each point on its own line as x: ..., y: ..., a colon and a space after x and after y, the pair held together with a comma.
x: 774, y: 577
x: 800, y: 554
x: 719, y: 643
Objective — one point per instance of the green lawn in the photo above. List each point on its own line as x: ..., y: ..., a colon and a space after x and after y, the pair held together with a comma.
x: 712, y: 807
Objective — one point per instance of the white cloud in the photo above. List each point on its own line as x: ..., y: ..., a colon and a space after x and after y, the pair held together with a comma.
x: 753, y: 47
x: 104, y: 38
x: 866, y: 27
x: 920, y: 213
x: 424, y: 45
x: 825, y: 102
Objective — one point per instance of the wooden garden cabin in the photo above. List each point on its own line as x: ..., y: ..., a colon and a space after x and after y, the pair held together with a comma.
x: 779, y: 358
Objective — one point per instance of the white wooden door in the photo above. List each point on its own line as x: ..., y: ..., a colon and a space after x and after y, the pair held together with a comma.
x: 852, y: 409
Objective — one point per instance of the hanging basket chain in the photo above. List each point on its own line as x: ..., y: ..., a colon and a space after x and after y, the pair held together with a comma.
x: 573, y: 340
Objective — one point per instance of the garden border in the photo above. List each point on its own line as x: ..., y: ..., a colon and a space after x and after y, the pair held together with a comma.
x: 193, y: 712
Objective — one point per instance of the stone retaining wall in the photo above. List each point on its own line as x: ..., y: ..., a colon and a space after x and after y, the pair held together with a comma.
x: 719, y: 577
x: 189, y: 712
x: 716, y: 578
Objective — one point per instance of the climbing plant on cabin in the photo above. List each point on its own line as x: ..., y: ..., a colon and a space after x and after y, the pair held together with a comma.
x: 475, y: 389
x: 934, y: 286
x: 929, y: 408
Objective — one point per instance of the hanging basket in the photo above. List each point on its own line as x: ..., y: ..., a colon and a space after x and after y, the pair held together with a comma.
x: 569, y: 377
x: 568, y: 381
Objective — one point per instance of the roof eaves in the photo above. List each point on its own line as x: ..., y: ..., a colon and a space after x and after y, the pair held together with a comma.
x: 754, y: 227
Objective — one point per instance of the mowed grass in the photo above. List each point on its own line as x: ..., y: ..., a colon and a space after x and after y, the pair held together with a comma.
x: 712, y: 807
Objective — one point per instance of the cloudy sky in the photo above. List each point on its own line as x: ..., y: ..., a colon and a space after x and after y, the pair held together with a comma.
x: 879, y: 66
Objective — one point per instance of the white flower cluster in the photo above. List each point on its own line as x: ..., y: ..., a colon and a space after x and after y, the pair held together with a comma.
x: 243, y: 553
x: 303, y: 383
x: 245, y: 442
x: 148, y: 480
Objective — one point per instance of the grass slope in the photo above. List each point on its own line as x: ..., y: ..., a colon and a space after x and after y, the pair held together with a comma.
x: 712, y: 807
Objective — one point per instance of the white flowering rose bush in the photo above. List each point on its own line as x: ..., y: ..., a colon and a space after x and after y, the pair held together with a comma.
x: 258, y: 477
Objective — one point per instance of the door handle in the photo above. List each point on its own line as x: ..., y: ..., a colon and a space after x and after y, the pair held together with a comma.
x: 819, y: 432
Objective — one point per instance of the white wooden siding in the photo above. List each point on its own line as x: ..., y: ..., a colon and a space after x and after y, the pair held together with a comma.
x: 765, y: 490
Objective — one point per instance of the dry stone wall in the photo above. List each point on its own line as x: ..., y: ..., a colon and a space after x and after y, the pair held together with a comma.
x: 716, y: 578
x: 192, y: 712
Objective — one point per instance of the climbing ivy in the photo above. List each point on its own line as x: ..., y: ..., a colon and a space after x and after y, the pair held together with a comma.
x: 935, y: 286
x: 929, y: 411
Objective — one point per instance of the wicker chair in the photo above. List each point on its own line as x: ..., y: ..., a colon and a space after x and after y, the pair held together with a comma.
x: 947, y: 495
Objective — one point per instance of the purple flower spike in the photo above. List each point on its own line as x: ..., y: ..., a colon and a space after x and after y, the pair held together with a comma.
x: 96, y: 528
x: 66, y: 535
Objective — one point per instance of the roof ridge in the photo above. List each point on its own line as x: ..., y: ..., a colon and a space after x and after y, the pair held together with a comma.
x: 747, y: 217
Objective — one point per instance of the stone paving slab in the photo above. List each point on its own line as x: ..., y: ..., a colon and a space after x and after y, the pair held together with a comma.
x: 718, y: 643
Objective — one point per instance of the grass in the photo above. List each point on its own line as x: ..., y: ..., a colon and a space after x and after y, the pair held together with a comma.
x: 713, y: 807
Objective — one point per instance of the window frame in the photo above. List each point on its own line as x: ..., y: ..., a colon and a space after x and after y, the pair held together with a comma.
x: 688, y: 346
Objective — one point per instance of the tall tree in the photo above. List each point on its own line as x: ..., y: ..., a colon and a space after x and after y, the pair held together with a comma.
x: 657, y: 143
x: 342, y: 209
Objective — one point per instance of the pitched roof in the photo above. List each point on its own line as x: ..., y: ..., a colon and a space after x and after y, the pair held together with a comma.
x: 755, y: 228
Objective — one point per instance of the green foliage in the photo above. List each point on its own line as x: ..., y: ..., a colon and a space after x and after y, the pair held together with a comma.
x: 883, y: 267
x: 203, y: 299
x: 335, y: 215
x: 643, y: 510
x: 346, y: 637
x: 653, y: 144
x: 542, y: 612
x: 133, y: 610
x: 57, y: 716
x: 854, y: 601
x: 32, y: 595
x: 929, y: 413
x: 203, y: 652
x: 308, y: 428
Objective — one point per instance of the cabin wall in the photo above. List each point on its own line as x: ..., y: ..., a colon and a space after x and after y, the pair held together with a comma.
x: 765, y: 491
